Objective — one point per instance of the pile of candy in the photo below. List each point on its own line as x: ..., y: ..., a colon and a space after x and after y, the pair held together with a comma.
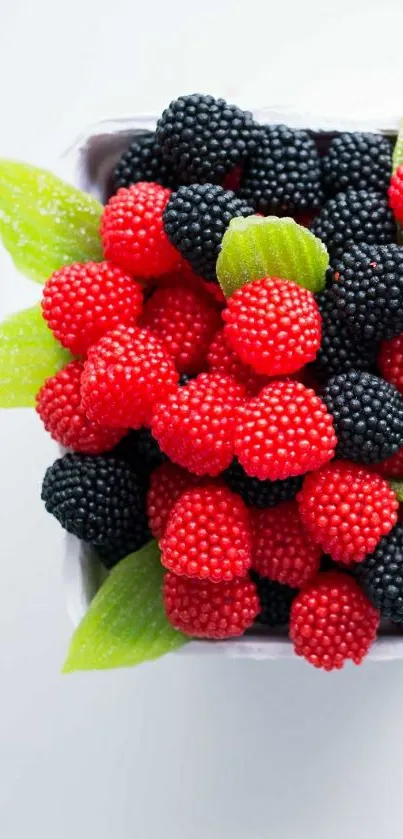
x: 235, y: 388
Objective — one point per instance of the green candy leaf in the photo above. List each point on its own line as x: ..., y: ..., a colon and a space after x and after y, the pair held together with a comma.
x: 256, y: 247
x: 28, y: 355
x: 397, y: 486
x: 44, y: 222
x: 125, y: 623
x: 397, y: 158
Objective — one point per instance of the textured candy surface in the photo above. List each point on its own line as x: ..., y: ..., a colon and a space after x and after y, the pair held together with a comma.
x: 132, y: 232
x: 282, y: 549
x: 125, y: 373
x: 185, y: 322
x: 284, y: 431
x: 81, y: 303
x: 208, y: 535
x: 195, y: 425
x: 332, y: 621
x: 273, y: 325
x: 206, y: 610
x: 59, y: 406
x: 347, y: 509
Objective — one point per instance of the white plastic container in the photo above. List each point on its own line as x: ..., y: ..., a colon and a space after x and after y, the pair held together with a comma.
x: 88, y: 164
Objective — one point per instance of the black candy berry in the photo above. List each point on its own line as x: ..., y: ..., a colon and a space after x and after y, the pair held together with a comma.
x: 195, y: 220
x: 140, y: 450
x: 257, y: 493
x: 205, y: 138
x: 143, y: 161
x: 352, y: 217
x: 367, y: 291
x: 381, y: 575
x: 367, y: 416
x: 98, y: 499
x: 340, y: 350
x: 275, y: 601
x: 284, y: 174
x: 357, y: 160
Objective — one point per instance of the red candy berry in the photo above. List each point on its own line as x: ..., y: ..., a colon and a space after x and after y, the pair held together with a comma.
x: 126, y: 372
x: 347, y: 509
x: 286, y: 430
x: 195, y: 425
x: 185, y: 323
x: 207, y: 610
x: 282, y: 549
x: 132, y: 232
x: 82, y: 302
x: 395, y: 193
x: 208, y: 535
x: 167, y: 483
x: 59, y: 406
x: 273, y: 325
x: 332, y: 621
x: 390, y: 361
x: 221, y: 359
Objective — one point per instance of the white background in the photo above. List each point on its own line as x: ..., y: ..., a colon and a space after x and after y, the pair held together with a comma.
x: 184, y: 748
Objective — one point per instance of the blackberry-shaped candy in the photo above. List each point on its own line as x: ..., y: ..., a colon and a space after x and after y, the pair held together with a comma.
x: 143, y: 161
x: 275, y: 601
x: 381, y: 575
x: 352, y: 217
x: 205, y: 138
x: 257, y: 493
x: 195, y: 220
x: 340, y: 350
x: 283, y: 176
x: 140, y: 451
x: 98, y: 499
x: 367, y: 416
x: 367, y: 291
x: 357, y: 160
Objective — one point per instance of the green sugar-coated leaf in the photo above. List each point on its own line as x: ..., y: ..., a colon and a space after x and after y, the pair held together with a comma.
x: 28, y: 355
x: 44, y: 222
x: 397, y: 159
x: 255, y: 247
x: 397, y: 486
x: 125, y: 623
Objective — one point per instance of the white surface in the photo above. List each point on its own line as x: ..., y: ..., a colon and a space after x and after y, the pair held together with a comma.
x: 185, y: 748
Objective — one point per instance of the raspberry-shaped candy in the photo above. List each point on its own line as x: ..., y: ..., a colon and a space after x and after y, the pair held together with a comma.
x: 59, y: 406
x: 132, y: 232
x: 167, y: 483
x: 222, y: 359
x: 100, y: 500
x: 286, y: 430
x: 126, y: 372
x: 390, y: 361
x: 347, y: 509
x: 282, y: 549
x: 206, y: 610
x: 81, y: 303
x: 381, y: 575
x: 185, y: 323
x: 332, y: 621
x: 195, y: 425
x: 274, y: 325
x: 367, y: 415
x: 395, y: 194
x: 208, y: 535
